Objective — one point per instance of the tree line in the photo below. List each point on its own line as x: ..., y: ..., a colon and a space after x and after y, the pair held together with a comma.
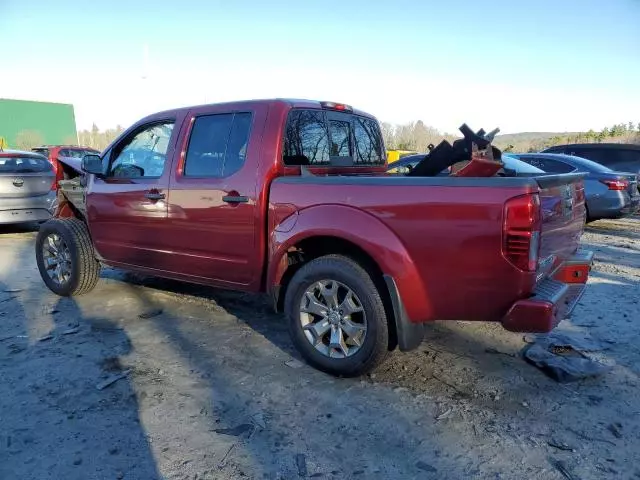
x: 95, y: 138
x: 413, y: 136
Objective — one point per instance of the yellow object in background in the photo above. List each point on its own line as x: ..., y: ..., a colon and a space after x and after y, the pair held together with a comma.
x: 395, y: 155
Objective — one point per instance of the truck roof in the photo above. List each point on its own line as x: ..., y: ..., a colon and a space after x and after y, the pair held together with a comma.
x: 241, y: 104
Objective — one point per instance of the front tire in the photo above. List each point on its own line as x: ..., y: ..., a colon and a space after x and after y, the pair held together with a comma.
x: 336, y: 316
x: 66, y: 258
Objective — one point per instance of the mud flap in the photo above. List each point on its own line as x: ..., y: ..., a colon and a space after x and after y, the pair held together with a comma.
x: 410, y: 334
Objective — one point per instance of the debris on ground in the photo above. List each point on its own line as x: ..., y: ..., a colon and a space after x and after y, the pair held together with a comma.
x: 45, y: 338
x: 560, y: 356
x: 293, y: 363
x: 12, y: 290
x: 563, y: 469
x: 71, y: 331
x: 259, y: 420
x: 561, y: 446
x: 615, y: 429
x: 111, y: 380
x: 237, y: 430
x: 425, y: 467
x: 301, y: 463
x: 495, y: 351
x: 151, y: 313
x: 444, y: 415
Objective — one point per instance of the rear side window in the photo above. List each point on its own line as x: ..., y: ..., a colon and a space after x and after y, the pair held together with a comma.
x: 603, y: 157
x: 368, y: 142
x: 306, y: 139
x: 217, y: 145
x: 24, y: 165
x: 313, y: 137
x: 548, y: 165
x: 520, y: 166
x: 614, y: 158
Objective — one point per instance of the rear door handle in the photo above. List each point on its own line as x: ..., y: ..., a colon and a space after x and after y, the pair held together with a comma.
x: 154, y: 196
x: 235, y: 199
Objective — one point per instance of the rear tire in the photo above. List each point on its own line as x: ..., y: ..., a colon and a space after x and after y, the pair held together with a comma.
x: 66, y: 257
x: 342, y: 296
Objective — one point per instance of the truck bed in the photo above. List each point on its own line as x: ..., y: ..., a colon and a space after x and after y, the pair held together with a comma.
x: 451, y: 229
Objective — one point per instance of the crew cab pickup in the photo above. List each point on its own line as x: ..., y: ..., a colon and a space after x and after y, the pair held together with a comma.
x: 292, y: 198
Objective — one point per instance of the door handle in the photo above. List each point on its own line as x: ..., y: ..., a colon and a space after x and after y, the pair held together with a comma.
x: 154, y: 195
x: 235, y: 199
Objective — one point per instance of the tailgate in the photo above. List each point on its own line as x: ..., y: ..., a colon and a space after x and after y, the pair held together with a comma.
x: 563, y: 211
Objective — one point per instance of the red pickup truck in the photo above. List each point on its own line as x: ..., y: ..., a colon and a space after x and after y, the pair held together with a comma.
x: 291, y: 198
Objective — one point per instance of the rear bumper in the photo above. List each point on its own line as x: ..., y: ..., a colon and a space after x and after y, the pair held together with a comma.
x: 554, y: 298
x: 24, y: 216
x: 613, y: 205
x: 28, y: 209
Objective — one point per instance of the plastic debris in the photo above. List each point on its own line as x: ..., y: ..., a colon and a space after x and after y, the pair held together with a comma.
x: 561, y: 356
x: 111, y: 380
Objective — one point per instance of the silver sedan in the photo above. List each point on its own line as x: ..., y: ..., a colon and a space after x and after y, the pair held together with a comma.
x: 27, y: 192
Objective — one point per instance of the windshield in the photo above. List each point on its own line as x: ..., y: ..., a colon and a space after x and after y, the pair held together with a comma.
x: 24, y: 165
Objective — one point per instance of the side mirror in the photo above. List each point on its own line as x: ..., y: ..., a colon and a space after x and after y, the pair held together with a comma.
x: 92, y: 164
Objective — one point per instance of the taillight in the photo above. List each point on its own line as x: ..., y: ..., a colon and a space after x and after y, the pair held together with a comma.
x: 521, y: 231
x: 54, y: 185
x: 619, y: 185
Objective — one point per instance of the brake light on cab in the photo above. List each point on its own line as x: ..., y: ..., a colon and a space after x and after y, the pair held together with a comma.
x: 521, y: 231
x: 619, y: 185
x: 341, y: 107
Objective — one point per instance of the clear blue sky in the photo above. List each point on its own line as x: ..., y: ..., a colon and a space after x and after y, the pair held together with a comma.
x: 401, y: 60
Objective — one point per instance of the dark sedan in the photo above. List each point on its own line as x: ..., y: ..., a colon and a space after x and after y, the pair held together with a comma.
x: 609, y: 194
x: 26, y: 187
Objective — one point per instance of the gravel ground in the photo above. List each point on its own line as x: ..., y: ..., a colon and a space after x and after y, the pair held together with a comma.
x: 210, y: 387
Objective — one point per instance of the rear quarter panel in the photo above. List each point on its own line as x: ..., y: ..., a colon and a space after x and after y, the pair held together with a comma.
x: 442, y: 244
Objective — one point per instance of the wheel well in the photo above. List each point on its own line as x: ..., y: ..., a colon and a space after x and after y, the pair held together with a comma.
x: 315, y: 247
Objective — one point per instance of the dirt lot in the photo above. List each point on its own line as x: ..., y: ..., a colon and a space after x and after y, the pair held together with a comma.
x: 214, y: 390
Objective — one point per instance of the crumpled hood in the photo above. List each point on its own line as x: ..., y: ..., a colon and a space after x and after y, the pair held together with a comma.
x: 75, y: 163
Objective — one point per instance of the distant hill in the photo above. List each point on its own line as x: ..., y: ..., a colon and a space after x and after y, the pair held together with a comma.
x: 530, y: 136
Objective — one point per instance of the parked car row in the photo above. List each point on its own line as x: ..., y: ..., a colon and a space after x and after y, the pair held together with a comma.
x: 609, y: 193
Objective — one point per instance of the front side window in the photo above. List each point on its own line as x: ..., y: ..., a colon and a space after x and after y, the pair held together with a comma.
x: 217, y: 145
x: 144, y: 155
x: 555, y: 166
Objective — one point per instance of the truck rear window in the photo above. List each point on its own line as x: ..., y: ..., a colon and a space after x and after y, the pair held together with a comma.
x: 311, y: 138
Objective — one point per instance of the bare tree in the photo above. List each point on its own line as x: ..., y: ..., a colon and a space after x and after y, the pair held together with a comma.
x: 27, y: 139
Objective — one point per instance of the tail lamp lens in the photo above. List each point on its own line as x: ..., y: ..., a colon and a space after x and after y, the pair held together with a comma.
x: 521, y: 231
